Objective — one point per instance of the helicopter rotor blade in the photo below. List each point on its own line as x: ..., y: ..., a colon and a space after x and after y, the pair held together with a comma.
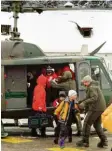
x: 97, y: 49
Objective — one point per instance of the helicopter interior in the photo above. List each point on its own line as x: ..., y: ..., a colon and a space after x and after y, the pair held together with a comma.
x: 36, y: 70
x: 20, y: 82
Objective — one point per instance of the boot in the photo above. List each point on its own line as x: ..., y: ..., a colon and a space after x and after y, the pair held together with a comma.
x: 62, y: 143
x: 70, y: 139
x: 43, y: 135
x: 78, y: 133
x: 43, y: 132
x: 102, y: 144
x: 34, y: 133
x: 69, y: 134
x: 82, y: 143
x: 56, y: 141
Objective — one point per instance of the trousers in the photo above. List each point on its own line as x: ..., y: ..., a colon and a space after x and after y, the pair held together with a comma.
x: 63, y: 131
x: 93, y: 118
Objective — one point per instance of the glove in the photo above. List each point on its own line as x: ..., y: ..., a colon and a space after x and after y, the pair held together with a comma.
x: 80, y: 101
x: 81, y: 105
x: 54, y: 81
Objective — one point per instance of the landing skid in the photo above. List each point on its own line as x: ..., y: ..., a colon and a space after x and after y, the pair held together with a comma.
x: 3, y: 133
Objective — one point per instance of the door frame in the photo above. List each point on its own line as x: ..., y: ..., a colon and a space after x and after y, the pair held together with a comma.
x: 81, y: 89
x: 3, y: 102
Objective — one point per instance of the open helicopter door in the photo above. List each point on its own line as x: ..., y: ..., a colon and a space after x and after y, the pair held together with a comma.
x: 3, y: 103
x: 83, y: 68
x: 16, y: 87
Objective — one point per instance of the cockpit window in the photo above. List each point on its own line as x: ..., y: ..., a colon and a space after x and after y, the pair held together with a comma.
x: 99, y: 73
x: 108, y: 71
x: 84, y: 70
x: 104, y: 82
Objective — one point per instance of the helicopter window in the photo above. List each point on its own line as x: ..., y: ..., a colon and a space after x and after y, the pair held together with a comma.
x: 72, y: 67
x: 95, y: 72
x: 84, y: 69
x: 99, y: 75
x: 104, y: 82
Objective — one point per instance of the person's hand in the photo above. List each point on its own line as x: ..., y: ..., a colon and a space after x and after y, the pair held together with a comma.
x: 81, y: 105
x: 54, y: 81
x: 39, y: 109
x: 59, y: 76
x: 28, y: 84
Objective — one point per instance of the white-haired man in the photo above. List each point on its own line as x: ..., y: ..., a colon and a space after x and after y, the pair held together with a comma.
x: 96, y: 106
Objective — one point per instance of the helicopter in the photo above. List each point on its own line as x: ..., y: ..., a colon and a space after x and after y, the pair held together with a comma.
x: 19, y: 57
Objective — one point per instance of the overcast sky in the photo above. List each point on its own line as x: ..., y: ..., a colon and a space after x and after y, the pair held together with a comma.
x: 52, y: 31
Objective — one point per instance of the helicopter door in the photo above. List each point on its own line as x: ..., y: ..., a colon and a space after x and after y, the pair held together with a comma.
x: 3, y: 104
x: 16, y: 87
x: 83, y: 68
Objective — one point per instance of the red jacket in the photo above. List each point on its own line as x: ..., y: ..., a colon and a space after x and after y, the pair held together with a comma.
x: 39, y: 96
x: 49, y: 78
x: 56, y: 103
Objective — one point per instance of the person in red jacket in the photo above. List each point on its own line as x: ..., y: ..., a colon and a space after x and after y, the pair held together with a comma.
x: 50, y: 75
x: 39, y: 100
x: 51, y: 92
x: 39, y: 95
